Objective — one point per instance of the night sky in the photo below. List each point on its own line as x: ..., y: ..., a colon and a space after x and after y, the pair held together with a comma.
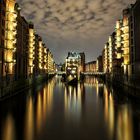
x: 74, y: 25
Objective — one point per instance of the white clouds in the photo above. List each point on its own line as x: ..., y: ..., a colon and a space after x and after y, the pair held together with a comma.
x: 67, y: 19
x: 72, y: 15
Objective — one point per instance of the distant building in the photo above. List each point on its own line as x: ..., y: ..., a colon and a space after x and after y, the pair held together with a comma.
x: 31, y: 50
x: 44, y: 62
x: 90, y: 66
x: 99, y: 64
x: 105, y: 57
x: 111, y: 51
x: 82, y: 61
x: 37, y: 59
x: 40, y: 55
x: 50, y: 62
x: 45, y: 70
x: 74, y: 64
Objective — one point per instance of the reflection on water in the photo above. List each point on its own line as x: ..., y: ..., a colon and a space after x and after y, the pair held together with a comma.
x: 118, y: 118
x: 73, y: 98
x: 124, y: 124
x: 8, y: 129
x: 29, y: 119
x: 88, y: 109
x: 37, y: 111
x: 109, y: 111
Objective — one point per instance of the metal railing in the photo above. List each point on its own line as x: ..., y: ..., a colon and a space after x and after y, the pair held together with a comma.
x: 93, y: 73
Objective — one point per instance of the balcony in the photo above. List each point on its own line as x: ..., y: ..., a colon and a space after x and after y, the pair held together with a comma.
x: 12, y: 61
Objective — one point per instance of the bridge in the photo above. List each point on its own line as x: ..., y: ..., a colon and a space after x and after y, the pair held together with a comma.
x: 84, y: 73
x: 94, y: 73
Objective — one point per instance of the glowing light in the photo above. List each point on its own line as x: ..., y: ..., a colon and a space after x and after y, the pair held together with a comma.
x: 9, y: 129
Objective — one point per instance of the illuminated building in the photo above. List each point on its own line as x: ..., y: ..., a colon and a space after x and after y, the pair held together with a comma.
x: 21, y: 46
x: 119, y: 39
x: 36, y: 61
x: 40, y: 61
x: 105, y: 57
x: 121, y: 63
x: 73, y: 65
x: 90, y: 66
x: 123, y: 30
x: 123, y: 45
x: 22, y: 54
x: 2, y: 35
x: 111, y: 51
x: 54, y: 67
x: 117, y: 59
x: 99, y: 64
x: 31, y: 49
x: 44, y: 59
x: 50, y: 62
x: 49, y: 59
x: 120, y: 55
x: 40, y: 55
x: 82, y: 61
x: 10, y: 40
x: 44, y: 62
x: 125, y: 57
x: 126, y: 42
x: 74, y: 59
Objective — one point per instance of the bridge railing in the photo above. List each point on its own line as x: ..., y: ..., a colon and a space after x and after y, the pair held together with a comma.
x: 93, y: 73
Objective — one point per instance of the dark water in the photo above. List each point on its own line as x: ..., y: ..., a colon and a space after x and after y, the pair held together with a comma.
x: 88, y: 111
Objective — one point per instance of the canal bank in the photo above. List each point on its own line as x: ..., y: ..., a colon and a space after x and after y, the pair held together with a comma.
x: 130, y: 87
x: 15, y: 87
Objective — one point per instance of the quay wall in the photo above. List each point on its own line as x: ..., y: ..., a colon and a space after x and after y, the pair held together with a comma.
x: 15, y: 87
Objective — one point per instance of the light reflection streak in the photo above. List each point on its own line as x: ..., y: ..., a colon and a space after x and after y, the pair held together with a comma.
x: 44, y: 105
x: 29, y: 120
x: 97, y: 89
x: 9, y: 129
x: 106, y: 111
x: 39, y: 113
x: 124, y: 124
x: 109, y: 112
x: 92, y: 82
x: 72, y: 98
x: 119, y: 122
x: 50, y: 91
x: 44, y: 114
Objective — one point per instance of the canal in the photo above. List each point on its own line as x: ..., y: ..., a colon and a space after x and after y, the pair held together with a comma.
x: 55, y: 111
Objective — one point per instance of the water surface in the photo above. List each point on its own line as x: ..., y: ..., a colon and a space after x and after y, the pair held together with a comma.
x: 55, y: 111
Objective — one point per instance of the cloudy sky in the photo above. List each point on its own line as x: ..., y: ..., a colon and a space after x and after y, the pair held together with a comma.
x: 74, y: 25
